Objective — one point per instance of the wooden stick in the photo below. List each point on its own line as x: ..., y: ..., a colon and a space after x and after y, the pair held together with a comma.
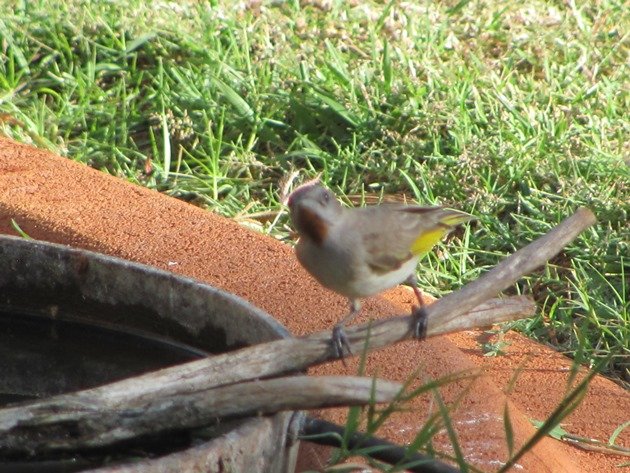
x: 260, y: 361
x: 107, y: 414
x: 93, y: 426
x: 292, y: 355
x: 510, y: 270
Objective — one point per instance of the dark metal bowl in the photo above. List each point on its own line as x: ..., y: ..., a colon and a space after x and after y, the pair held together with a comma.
x: 73, y: 319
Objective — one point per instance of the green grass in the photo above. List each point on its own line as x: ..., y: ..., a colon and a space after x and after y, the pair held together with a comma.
x: 513, y: 111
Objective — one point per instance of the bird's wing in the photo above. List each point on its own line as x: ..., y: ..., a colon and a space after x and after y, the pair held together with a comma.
x: 392, y: 233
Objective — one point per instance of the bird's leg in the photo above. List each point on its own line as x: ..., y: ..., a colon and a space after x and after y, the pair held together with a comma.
x: 339, y: 337
x: 419, y: 312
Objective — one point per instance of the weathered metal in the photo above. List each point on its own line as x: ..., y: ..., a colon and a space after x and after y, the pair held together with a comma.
x: 66, y: 290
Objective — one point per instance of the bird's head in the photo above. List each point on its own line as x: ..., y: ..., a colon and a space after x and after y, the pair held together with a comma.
x: 313, y: 210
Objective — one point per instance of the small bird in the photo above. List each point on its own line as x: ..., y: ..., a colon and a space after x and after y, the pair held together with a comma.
x: 360, y: 252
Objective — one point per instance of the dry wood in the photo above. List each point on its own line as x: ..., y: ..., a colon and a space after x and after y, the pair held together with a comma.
x: 95, y: 427
x: 461, y: 310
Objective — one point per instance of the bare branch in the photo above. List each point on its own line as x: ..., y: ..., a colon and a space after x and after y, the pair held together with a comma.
x: 94, y: 426
x: 462, y: 310
x: 510, y: 270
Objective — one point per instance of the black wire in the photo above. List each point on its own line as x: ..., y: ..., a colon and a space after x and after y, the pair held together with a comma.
x: 316, y: 430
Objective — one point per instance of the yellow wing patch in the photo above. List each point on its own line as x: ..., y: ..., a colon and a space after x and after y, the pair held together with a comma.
x: 427, y: 240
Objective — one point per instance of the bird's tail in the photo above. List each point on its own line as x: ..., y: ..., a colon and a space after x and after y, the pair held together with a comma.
x: 446, y: 220
x: 452, y: 218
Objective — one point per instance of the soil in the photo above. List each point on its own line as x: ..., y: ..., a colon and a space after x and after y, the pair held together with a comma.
x: 58, y: 200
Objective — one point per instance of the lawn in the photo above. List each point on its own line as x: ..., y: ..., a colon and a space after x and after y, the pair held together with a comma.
x: 516, y: 112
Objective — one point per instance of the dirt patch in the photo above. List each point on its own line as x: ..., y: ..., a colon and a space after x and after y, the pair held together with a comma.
x: 58, y: 200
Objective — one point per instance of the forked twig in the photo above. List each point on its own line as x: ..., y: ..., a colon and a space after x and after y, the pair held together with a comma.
x: 42, y: 425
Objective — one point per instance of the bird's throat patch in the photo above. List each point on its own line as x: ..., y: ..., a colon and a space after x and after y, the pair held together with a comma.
x: 313, y: 226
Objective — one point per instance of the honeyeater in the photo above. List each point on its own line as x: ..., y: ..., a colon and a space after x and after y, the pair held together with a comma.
x: 360, y: 252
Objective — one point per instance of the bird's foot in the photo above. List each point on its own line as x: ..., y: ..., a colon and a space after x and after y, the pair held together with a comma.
x: 340, y: 341
x: 420, y: 322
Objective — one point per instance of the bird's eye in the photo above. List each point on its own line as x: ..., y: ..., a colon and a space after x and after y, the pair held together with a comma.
x: 325, y: 198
